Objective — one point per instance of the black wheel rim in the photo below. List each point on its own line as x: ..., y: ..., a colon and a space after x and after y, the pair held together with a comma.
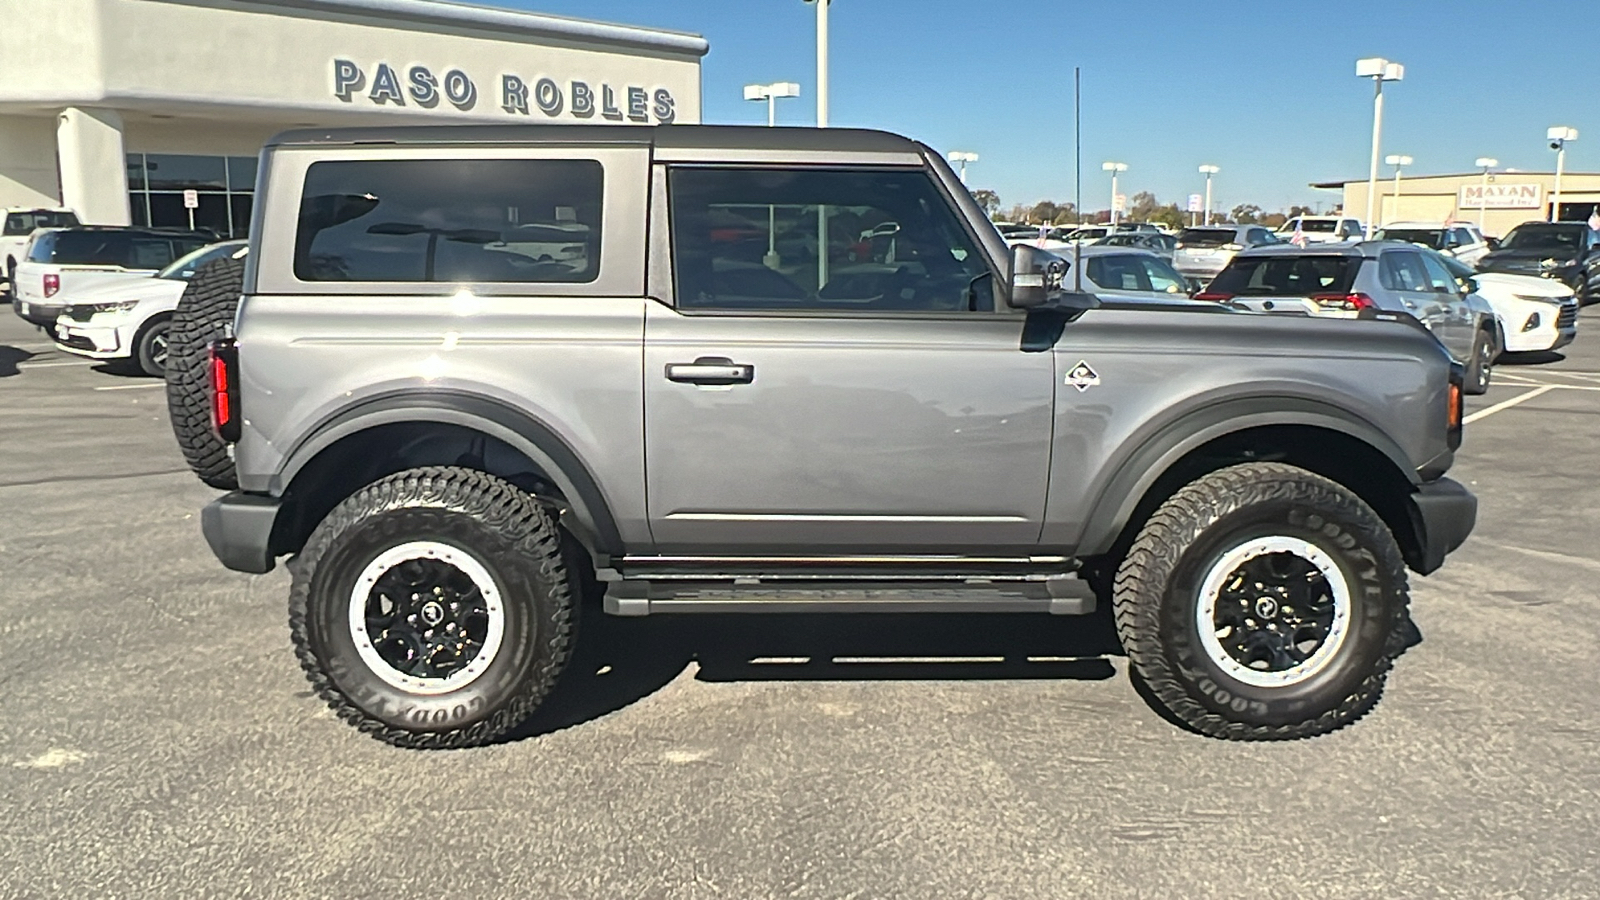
x: 1273, y: 611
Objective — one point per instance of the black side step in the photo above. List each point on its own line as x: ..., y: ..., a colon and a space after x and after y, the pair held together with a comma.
x: 1062, y: 594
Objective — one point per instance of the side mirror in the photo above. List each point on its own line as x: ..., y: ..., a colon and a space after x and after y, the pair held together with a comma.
x: 1037, y: 281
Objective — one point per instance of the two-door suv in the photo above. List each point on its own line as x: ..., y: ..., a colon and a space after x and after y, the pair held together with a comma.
x: 480, y: 373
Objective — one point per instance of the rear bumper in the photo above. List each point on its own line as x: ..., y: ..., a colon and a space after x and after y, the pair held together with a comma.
x: 238, y: 526
x: 37, y: 313
x: 1443, y: 513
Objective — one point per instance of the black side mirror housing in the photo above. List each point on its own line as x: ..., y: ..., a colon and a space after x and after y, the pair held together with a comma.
x: 1037, y: 282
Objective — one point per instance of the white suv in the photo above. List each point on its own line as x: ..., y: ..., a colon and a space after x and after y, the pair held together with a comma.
x: 1462, y: 240
x: 62, y: 261
x: 126, y: 319
x: 1322, y: 229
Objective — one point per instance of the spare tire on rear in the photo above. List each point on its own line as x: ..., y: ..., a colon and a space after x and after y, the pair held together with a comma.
x: 204, y: 314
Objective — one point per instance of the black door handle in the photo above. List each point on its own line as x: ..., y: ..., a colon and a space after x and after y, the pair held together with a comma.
x: 711, y: 370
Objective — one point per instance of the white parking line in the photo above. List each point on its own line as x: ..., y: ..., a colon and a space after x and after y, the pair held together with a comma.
x: 154, y: 384
x: 52, y: 365
x: 1507, y: 404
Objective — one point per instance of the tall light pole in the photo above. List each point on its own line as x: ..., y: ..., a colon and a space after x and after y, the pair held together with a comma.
x: 822, y: 61
x: 1208, y: 171
x: 1379, y: 70
x: 961, y: 158
x: 770, y: 93
x: 1485, y: 163
x: 1399, y: 162
x: 1559, y: 136
x: 822, y: 122
x: 1115, y: 168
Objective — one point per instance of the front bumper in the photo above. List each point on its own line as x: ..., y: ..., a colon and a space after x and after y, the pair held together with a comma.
x: 1443, y: 513
x: 92, y: 341
x: 238, y: 526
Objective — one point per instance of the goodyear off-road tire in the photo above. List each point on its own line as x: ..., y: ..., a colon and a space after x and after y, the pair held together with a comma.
x: 1267, y: 557
x: 204, y: 315
x: 376, y: 587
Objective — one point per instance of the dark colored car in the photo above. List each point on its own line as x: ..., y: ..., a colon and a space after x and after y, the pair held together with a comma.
x: 1566, y: 251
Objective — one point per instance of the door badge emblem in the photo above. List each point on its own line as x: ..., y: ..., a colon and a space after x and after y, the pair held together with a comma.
x: 1083, y: 377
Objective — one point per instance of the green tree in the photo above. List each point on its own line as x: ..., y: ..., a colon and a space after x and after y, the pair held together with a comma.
x: 1273, y: 220
x: 987, y: 200
x: 1247, y: 214
x: 1142, y: 206
x: 1169, y: 215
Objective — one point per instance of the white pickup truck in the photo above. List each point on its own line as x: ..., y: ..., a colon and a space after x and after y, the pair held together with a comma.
x: 17, y: 224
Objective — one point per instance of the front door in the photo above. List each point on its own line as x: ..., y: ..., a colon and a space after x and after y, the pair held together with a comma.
x: 834, y: 377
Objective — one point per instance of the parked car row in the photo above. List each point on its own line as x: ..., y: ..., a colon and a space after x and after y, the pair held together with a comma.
x: 108, y: 292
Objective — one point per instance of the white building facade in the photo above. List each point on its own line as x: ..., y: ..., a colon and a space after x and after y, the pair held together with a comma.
x: 117, y: 108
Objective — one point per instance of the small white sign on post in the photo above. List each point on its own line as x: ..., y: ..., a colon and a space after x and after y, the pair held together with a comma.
x: 1119, y: 202
x: 191, y: 199
x: 1194, y: 203
x: 1501, y: 196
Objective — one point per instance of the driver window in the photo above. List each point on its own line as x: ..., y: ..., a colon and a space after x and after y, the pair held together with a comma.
x: 1440, y: 281
x: 821, y: 241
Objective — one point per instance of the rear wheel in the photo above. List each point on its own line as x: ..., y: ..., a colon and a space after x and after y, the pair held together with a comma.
x: 1263, y: 602
x: 1485, y: 350
x: 434, y: 608
x: 204, y: 314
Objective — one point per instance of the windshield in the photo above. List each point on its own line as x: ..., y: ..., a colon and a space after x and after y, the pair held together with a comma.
x: 1317, y: 225
x: 1427, y: 237
x: 25, y: 222
x: 1287, y: 276
x: 185, y: 266
x: 1205, y: 237
x: 1561, y: 238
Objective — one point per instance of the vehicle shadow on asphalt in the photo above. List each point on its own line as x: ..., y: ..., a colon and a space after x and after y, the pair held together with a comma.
x: 620, y: 661
x: 9, y: 357
x: 1532, y: 358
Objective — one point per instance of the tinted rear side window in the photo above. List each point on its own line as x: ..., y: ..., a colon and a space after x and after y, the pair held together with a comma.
x: 456, y: 220
x: 25, y: 222
x: 1427, y: 237
x: 1287, y: 276
x: 1206, y: 237
x: 97, y: 248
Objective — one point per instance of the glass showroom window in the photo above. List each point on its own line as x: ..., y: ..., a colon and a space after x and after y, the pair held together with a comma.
x: 225, y: 185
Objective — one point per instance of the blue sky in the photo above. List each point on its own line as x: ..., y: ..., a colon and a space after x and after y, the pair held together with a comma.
x: 1266, y: 89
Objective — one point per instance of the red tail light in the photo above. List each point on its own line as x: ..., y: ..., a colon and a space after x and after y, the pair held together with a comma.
x: 225, y: 390
x: 52, y: 284
x: 1352, y: 302
x: 1214, y: 296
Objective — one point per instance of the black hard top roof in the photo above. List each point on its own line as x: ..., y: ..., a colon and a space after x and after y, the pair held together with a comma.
x: 677, y: 137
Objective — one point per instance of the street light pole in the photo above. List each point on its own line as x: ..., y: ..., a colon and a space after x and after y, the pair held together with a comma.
x: 1379, y: 70
x: 822, y: 61
x: 1399, y: 162
x: 1208, y: 171
x: 1559, y: 136
x: 770, y: 93
x: 1114, y: 168
x: 961, y: 158
x: 1485, y: 163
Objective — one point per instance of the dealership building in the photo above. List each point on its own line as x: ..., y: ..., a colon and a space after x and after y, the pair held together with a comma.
x: 152, y: 111
x: 1503, y: 201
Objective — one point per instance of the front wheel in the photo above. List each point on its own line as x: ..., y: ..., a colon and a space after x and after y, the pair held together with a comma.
x: 1263, y: 602
x: 434, y: 608
x: 150, y: 350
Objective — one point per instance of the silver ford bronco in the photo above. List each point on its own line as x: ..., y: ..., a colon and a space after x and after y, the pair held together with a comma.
x: 480, y: 375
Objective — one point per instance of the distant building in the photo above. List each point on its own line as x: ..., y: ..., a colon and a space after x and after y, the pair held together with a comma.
x: 134, y: 111
x: 1512, y: 198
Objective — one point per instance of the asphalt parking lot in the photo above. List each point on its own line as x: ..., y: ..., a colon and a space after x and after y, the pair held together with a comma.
x: 159, y: 740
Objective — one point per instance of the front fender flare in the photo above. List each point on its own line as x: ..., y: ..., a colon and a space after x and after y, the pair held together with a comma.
x: 1137, y: 472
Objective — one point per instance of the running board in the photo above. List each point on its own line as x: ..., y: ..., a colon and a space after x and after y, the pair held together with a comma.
x: 1057, y: 594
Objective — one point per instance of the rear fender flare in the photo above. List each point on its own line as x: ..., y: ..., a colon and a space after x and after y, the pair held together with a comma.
x: 527, y: 435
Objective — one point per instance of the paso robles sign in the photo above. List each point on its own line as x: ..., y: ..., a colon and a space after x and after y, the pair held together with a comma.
x: 386, y: 85
x: 1501, y: 196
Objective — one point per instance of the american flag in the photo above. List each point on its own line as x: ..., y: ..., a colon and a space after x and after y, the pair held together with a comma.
x: 1594, y: 219
x: 1299, y: 239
